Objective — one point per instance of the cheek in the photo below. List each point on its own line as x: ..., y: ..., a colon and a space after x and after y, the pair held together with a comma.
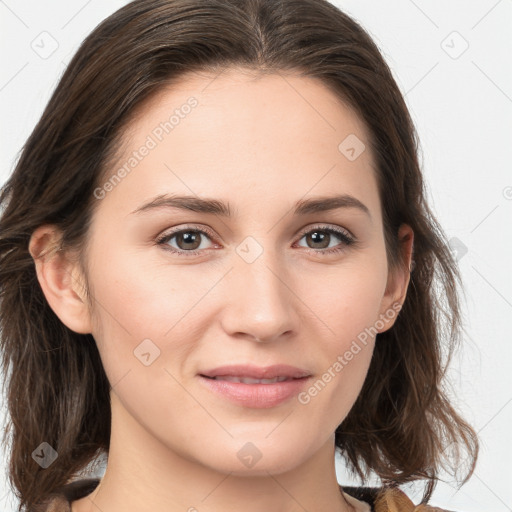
x: 347, y: 305
x: 346, y: 300
x: 145, y: 292
x: 139, y: 307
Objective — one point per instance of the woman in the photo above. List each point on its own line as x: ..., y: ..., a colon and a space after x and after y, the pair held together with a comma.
x: 310, y: 313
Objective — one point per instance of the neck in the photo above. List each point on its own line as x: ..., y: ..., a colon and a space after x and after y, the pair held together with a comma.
x: 144, y: 474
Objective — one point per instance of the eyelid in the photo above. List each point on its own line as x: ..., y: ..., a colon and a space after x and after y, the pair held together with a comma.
x: 186, y: 227
x: 326, y: 227
x: 301, y: 233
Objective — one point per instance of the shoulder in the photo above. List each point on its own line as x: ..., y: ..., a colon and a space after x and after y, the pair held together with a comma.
x: 60, y: 499
x: 388, y: 499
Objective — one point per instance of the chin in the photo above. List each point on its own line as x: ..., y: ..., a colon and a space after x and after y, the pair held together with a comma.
x: 256, y: 458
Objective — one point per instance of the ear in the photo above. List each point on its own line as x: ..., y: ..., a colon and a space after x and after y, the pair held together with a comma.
x: 398, y: 280
x: 60, y: 279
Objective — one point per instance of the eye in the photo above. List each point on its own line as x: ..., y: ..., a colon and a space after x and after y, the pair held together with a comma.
x: 321, y: 237
x: 188, y: 240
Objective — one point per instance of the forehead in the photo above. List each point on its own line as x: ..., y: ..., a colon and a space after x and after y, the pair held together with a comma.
x: 273, y: 136
x: 234, y: 95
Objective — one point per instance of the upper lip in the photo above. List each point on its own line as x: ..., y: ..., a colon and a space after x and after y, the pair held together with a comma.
x: 257, y: 372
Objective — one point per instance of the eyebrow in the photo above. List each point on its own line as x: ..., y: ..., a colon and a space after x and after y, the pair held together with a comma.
x: 216, y: 207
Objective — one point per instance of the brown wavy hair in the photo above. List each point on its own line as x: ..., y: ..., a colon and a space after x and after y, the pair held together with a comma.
x: 402, y: 422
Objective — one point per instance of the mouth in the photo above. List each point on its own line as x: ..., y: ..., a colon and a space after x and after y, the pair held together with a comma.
x: 255, y: 387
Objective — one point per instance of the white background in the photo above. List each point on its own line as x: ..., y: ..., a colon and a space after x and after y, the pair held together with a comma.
x: 461, y: 103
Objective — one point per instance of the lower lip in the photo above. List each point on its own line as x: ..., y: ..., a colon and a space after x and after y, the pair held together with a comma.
x: 261, y: 396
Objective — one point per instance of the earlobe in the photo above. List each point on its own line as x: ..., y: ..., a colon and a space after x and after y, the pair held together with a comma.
x: 60, y: 279
x: 398, y: 280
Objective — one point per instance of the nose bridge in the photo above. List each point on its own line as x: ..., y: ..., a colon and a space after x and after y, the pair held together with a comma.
x: 261, y: 303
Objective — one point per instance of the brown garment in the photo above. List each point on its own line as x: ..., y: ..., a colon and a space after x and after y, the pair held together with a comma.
x: 379, y: 499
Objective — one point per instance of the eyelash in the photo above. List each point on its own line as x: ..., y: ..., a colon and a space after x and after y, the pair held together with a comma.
x: 345, y: 237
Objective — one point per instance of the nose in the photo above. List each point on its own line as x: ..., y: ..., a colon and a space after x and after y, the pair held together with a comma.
x: 260, y: 303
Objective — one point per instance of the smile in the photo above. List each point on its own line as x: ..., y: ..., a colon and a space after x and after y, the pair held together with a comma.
x: 255, y: 393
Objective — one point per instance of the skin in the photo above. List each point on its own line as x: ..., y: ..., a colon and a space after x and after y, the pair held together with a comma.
x: 261, y: 145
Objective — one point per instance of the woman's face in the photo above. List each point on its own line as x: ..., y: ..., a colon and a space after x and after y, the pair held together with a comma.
x: 263, y: 286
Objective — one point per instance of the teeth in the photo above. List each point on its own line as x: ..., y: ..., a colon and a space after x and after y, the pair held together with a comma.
x: 249, y: 380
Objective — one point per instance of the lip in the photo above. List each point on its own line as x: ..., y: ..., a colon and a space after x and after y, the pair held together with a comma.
x: 258, y: 396
x: 257, y: 372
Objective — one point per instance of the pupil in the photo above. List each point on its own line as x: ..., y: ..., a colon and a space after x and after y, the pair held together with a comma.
x: 322, y: 236
x: 189, y: 238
